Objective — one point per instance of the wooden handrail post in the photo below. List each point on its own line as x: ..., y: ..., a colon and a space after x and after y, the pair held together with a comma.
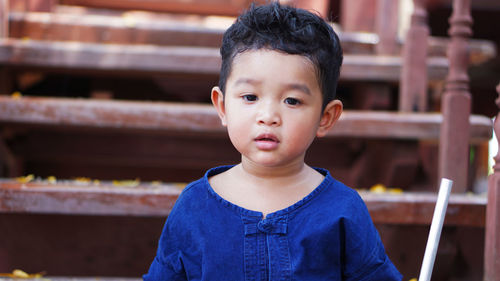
x: 5, y: 82
x: 492, y: 233
x: 4, y: 18
x: 413, y: 87
x: 386, y: 26
x: 454, y: 140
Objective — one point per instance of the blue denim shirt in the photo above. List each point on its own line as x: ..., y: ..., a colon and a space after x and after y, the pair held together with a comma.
x: 328, y: 235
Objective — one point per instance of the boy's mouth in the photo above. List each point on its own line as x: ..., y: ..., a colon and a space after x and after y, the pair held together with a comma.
x: 267, y: 137
x: 267, y: 141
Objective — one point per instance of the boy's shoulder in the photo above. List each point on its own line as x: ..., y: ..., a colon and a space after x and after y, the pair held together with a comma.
x: 197, y: 191
x: 339, y: 197
x: 337, y: 188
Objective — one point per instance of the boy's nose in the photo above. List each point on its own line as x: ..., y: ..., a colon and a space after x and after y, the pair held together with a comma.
x: 269, y: 115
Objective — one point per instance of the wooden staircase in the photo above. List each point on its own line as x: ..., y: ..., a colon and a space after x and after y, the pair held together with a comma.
x: 175, y: 141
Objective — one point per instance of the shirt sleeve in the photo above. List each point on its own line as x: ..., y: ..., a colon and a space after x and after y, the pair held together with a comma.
x: 364, y: 253
x: 161, y: 271
x: 168, y: 264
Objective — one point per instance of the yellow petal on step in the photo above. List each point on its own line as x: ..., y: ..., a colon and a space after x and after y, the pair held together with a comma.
x: 126, y: 183
x: 82, y: 180
x: 16, y: 95
x: 378, y: 188
x: 25, y: 179
x: 20, y: 274
x: 51, y: 180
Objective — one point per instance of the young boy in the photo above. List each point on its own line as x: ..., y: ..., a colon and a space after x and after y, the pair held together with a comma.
x: 272, y: 217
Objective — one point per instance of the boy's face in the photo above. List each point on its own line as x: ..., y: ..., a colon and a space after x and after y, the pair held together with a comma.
x: 273, y: 107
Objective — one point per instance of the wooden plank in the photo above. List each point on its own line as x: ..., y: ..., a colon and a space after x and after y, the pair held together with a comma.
x: 108, y: 114
x: 88, y: 199
x: 141, y: 28
x: 480, y: 51
x: 127, y: 28
x: 157, y: 200
x: 150, y: 59
x: 207, y: 7
x: 192, y: 30
x: 418, y: 208
x: 476, y: 4
x: 110, y: 57
x: 158, y: 116
x: 76, y: 278
x: 386, y: 68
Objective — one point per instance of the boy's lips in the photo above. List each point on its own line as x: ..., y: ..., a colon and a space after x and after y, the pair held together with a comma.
x: 267, y: 141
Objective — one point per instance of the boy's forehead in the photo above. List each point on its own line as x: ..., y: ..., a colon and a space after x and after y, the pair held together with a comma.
x: 260, y: 64
x: 264, y: 54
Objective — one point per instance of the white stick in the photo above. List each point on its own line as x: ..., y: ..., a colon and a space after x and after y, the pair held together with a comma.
x: 435, y: 232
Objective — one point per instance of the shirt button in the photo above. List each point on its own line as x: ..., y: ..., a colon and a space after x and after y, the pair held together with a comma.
x: 265, y: 226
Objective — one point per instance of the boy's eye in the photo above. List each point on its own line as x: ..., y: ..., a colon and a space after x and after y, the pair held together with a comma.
x: 292, y: 101
x: 249, y: 98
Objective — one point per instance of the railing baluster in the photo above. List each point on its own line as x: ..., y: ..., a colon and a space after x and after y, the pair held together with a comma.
x: 4, y: 18
x: 386, y: 26
x: 454, y: 141
x: 413, y: 87
x: 492, y: 233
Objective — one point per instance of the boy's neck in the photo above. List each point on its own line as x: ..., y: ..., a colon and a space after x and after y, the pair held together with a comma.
x: 292, y: 170
x: 266, y: 189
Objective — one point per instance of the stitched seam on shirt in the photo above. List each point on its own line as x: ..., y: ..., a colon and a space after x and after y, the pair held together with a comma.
x: 310, y: 201
x: 366, y: 277
x: 168, y: 264
x: 362, y: 269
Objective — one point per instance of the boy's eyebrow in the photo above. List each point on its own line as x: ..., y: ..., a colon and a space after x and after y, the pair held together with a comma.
x: 301, y: 87
x: 246, y: 81
x: 292, y: 86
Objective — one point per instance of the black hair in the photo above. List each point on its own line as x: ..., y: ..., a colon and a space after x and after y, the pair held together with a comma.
x: 289, y: 30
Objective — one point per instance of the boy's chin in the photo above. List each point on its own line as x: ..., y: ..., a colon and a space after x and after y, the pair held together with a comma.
x: 270, y: 163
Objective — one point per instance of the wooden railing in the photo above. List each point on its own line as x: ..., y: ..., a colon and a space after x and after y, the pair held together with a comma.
x: 4, y: 18
x: 454, y: 145
x: 414, y: 75
x: 492, y: 239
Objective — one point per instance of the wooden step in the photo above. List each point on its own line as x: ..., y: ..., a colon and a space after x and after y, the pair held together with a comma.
x: 69, y: 278
x: 147, y: 199
x: 184, y: 117
x: 122, y: 28
x: 132, y: 27
x: 152, y: 59
x: 80, y: 197
x: 207, y: 7
x: 132, y: 59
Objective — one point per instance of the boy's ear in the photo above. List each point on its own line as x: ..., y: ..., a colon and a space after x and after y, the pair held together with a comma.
x: 329, y: 117
x: 218, y: 102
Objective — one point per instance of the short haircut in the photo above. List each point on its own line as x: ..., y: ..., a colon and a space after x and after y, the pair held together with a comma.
x: 289, y: 30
